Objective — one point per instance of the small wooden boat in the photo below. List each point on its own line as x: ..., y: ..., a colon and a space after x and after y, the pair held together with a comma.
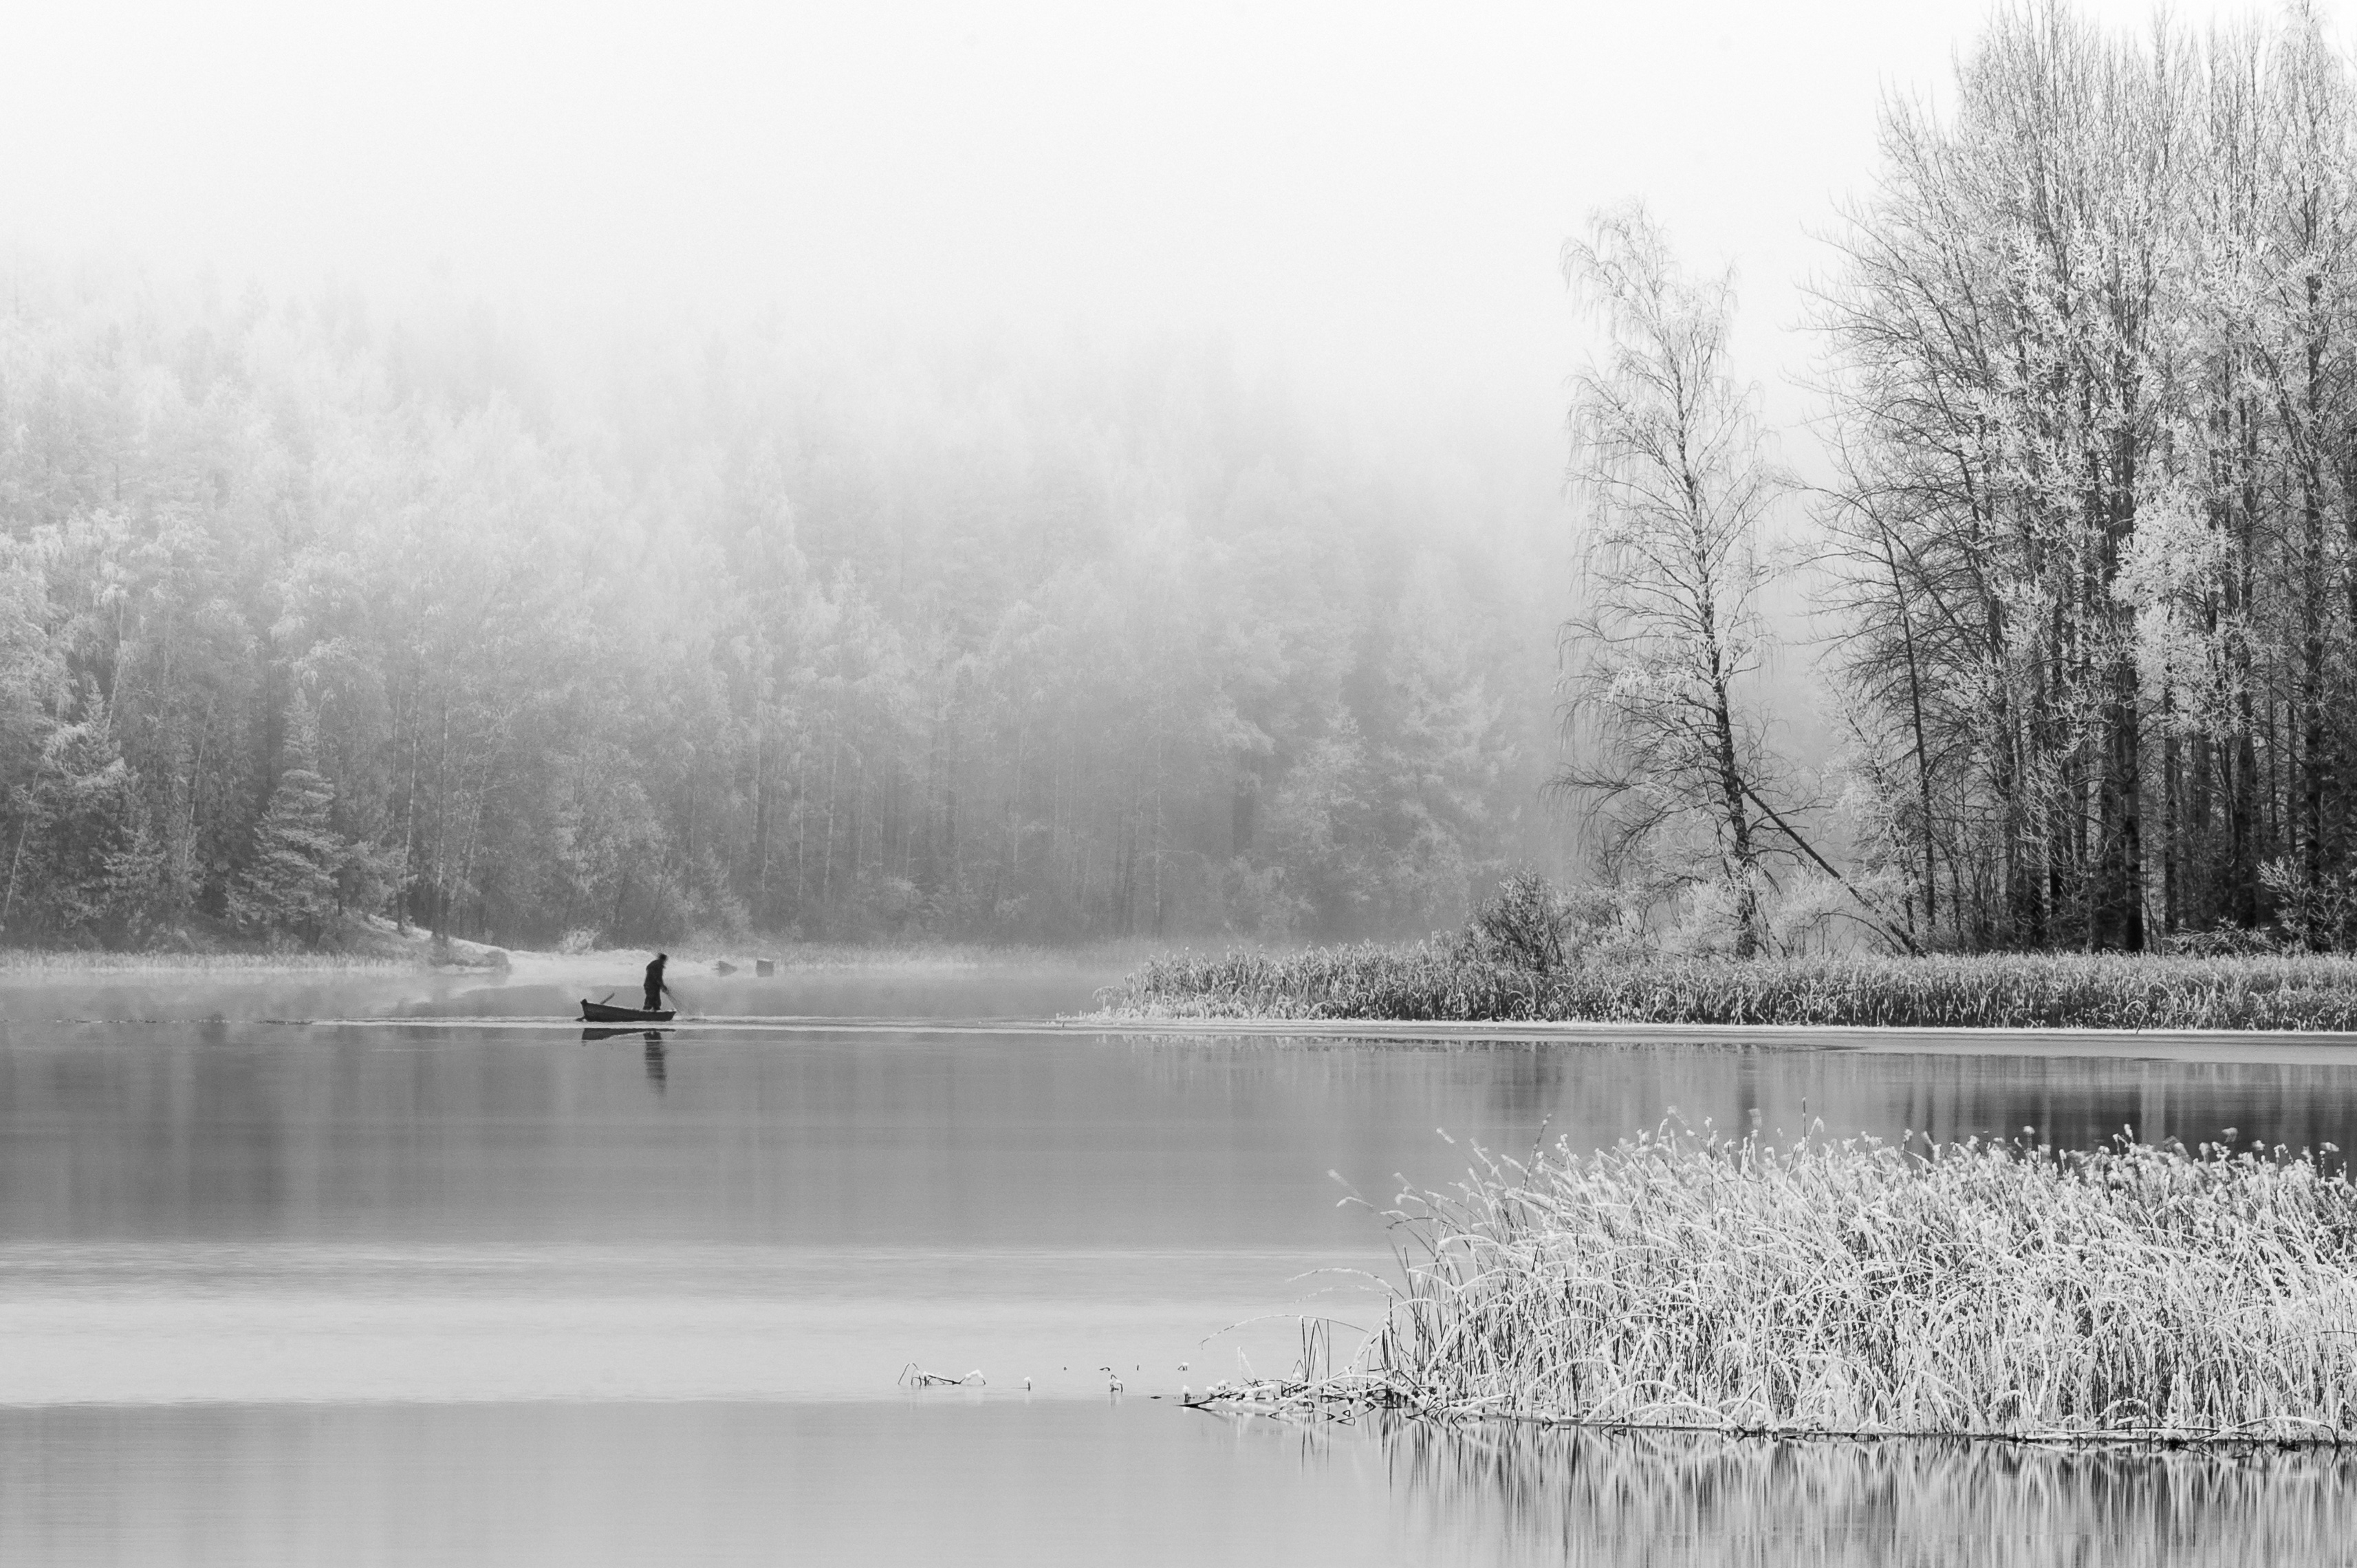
x: 600, y: 1013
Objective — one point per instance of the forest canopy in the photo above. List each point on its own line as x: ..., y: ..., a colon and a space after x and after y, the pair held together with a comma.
x: 2094, y: 345
x: 311, y: 607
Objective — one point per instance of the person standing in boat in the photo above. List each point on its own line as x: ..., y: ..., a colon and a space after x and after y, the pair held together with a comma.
x: 655, y: 986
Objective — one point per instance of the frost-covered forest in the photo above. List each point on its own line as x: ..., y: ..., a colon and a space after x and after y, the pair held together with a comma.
x: 2092, y: 344
x: 312, y: 606
x: 315, y: 604
x: 2085, y: 540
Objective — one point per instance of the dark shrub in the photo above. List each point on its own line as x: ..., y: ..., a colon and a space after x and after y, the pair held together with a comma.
x: 1524, y: 927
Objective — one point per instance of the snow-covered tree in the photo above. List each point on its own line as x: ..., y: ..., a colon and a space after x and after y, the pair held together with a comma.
x: 1668, y: 460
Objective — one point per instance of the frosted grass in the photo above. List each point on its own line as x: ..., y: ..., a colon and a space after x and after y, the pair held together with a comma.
x: 1429, y: 982
x: 1687, y: 1280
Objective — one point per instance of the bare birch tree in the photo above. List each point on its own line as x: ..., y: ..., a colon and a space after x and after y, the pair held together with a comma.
x: 1668, y: 458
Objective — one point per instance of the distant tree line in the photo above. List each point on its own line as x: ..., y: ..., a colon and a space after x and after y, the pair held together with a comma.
x: 308, y: 609
x: 2094, y: 365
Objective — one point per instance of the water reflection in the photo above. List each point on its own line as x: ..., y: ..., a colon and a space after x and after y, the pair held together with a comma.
x: 657, y: 1067
x: 317, y: 1241
x: 1505, y: 1094
x: 547, y: 988
x: 200, y: 1130
x: 967, y: 1478
x: 1533, y: 1495
x: 918, y: 1483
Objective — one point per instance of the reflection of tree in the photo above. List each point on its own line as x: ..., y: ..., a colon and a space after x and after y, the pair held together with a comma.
x: 1526, y: 1082
x: 1518, y: 1494
x: 1496, y: 1092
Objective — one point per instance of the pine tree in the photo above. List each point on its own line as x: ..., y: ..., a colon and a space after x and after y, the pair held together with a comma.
x: 289, y: 887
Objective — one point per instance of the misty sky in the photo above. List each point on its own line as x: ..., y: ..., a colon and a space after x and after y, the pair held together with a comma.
x: 1372, y: 197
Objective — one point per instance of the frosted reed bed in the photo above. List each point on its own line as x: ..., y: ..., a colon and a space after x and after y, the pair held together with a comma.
x: 1433, y: 982
x: 1865, y: 1288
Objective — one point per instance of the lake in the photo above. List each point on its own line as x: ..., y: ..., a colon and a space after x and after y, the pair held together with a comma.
x: 373, y: 1269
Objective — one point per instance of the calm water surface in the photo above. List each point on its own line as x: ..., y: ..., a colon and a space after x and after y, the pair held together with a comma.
x: 442, y: 1290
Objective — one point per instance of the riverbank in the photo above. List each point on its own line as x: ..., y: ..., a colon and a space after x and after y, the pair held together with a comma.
x: 708, y: 954
x: 1435, y: 982
x: 361, y: 944
x: 1853, y: 1287
x: 379, y: 946
x: 43, y: 963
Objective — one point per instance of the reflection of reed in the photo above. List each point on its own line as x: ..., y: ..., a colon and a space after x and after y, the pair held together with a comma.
x: 1501, y: 1089
x: 1511, y: 1493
